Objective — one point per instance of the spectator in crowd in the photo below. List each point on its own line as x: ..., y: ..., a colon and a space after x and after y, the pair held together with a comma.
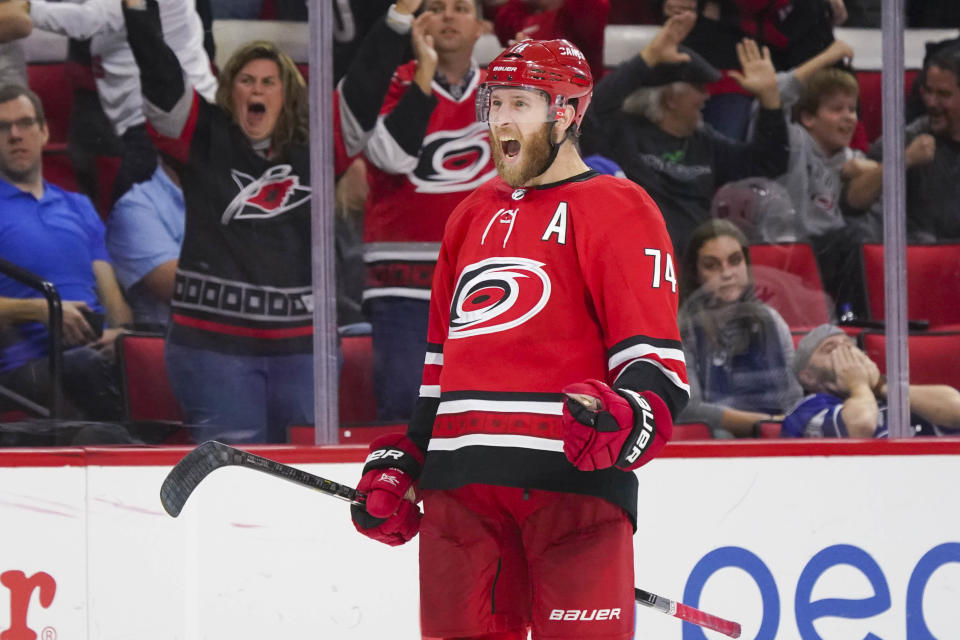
x: 933, y: 155
x: 738, y: 350
x: 239, y: 347
x: 646, y: 118
x: 829, y: 182
x: 794, y: 30
x: 144, y: 234
x: 848, y: 394
x: 57, y: 235
x: 582, y: 22
x: 116, y: 72
x: 425, y: 152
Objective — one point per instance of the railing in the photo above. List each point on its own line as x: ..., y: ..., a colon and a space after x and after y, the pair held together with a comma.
x: 54, y: 326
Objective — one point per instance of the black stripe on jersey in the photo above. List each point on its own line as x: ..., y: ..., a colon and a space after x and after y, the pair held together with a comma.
x: 528, y: 469
x: 661, y: 343
x: 407, y: 122
x: 161, y: 77
x: 368, y: 78
x: 643, y: 375
x: 580, y: 177
x: 433, y: 347
x: 420, y: 427
x: 503, y: 396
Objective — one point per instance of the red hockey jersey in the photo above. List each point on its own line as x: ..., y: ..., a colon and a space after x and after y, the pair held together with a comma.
x: 411, y: 197
x: 535, y: 289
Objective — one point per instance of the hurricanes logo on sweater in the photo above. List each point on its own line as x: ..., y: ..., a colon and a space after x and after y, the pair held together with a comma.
x: 277, y: 191
x: 497, y: 294
x: 454, y: 161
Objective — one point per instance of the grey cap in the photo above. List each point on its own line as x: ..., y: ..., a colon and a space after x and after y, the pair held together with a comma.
x: 696, y: 71
x: 810, y: 343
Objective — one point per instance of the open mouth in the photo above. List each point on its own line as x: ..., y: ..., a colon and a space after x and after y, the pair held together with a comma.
x: 510, y: 147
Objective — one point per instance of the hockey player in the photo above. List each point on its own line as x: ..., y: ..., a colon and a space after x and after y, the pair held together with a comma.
x: 425, y: 153
x: 552, y: 279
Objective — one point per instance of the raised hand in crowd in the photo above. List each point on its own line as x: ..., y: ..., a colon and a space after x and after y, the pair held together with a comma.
x: 921, y: 150
x: 676, y: 7
x: 663, y: 48
x: 839, y: 12
x: 758, y: 75
x: 426, y: 55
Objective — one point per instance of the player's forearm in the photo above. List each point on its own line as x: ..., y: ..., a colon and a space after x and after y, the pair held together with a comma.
x: 937, y: 403
x: 15, y: 22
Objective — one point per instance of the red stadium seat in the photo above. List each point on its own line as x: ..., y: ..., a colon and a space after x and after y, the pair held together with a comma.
x: 787, y: 278
x: 871, y: 99
x: 357, y: 402
x: 767, y: 429
x: 52, y: 82
x: 691, y: 431
x: 933, y: 355
x: 933, y: 280
x: 143, y: 376
x: 57, y: 168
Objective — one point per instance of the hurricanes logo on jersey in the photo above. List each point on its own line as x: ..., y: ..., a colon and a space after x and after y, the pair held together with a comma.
x: 497, y: 294
x: 277, y: 191
x: 454, y: 161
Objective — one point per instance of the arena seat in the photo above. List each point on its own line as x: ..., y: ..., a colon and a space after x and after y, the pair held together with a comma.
x: 933, y: 280
x: 51, y: 81
x: 871, y: 99
x: 933, y: 355
x: 57, y: 167
x: 357, y: 402
x: 767, y: 429
x: 691, y: 431
x: 145, y: 387
x: 787, y: 278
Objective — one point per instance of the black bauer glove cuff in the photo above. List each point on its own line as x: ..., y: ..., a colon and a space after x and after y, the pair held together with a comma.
x: 393, y: 457
x: 642, y: 435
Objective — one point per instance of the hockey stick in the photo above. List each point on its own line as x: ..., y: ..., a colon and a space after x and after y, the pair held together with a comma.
x: 689, y: 614
x: 212, y: 455
x: 206, y: 458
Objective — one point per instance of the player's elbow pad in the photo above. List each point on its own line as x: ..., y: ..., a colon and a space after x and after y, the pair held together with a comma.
x: 652, y: 429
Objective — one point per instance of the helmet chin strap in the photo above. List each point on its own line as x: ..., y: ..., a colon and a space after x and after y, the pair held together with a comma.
x: 554, y: 149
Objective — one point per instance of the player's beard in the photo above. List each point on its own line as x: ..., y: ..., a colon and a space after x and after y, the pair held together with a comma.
x: 535, y: 151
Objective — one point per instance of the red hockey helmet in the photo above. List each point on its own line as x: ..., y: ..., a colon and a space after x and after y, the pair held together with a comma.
x: 555, y: 67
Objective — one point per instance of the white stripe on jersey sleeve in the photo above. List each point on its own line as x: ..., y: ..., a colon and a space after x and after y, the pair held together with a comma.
x: 429, y: 391
x: 641, y: 350
x: 669, y: 373
x: 433, y: 358
x: 383, y: 150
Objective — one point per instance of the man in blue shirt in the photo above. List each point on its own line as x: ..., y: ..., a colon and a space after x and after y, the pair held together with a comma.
x: 848, y: 394
x: 144, y: 234
x: 57, y: 235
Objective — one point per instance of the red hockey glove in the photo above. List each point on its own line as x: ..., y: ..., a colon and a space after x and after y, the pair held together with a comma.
x: 391, y: 514
x: 625, y: 429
